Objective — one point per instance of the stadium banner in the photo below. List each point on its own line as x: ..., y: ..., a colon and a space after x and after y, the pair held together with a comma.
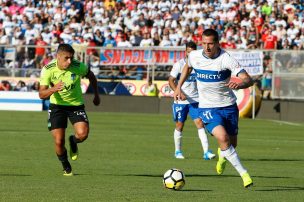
x: 20, y: 101
x: 138, y: 88
x: 140, y: 56
x: 251, y: 61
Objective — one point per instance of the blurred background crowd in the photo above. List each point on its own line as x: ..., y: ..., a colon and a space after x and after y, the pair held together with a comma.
x: 242, y: 24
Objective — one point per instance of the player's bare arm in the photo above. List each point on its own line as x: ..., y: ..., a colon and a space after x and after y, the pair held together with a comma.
x: 93, y: 82
x: 246, y: 82
x: 178, y: 95
x: 45, y: 92
x: 172, y: 84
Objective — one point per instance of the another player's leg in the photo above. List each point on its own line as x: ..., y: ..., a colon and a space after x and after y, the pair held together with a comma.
x: 194, y: 113
x: 180, y: 112
x: 61, y: 152
x: 178, y: 141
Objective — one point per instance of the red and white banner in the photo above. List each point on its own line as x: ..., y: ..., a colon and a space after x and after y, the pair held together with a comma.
x: 252, y: 61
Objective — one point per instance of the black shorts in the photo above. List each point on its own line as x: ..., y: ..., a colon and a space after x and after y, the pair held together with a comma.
x: 58, y: 116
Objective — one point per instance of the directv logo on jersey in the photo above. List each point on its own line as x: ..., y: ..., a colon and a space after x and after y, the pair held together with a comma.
x: 212, y: 76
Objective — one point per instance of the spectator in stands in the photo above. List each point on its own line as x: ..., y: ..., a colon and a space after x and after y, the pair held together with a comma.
x: 109, y: 42
x: 156, y: 39
x: 151, y: 88
x: 4, y: 40
x: 146, y: 41
x: 94, y: 61
x: 123, y: 42
x: 5, y: 86
x: 267, y: 78
x: 165, y: 41
x: 98, y: 38
x: 21, y: 86
x: 40, y: 51
x: 28, y: 63
x: 269, y: 40
x: 35, y: 87
x: 47, y: 57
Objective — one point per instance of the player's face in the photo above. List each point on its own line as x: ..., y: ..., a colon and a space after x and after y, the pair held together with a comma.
x: 64, y: 59
x: 188, y: 50
x: 210, y: 46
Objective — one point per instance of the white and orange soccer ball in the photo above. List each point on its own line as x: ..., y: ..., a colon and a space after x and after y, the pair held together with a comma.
x: 174, y: 179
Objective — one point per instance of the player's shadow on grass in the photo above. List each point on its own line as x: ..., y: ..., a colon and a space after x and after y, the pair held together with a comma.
x: 14, y: 175
x: 244, y: 159
x: 200, y: 175
x: 281, y: 188
x: 194, y: 190
x: 160, y: 176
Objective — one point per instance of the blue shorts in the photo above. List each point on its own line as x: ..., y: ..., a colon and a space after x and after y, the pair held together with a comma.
x: 224, y: 116
x: 180, y: 111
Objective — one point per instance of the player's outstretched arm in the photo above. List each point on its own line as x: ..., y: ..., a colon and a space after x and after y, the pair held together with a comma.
x: 93, y: 82
x: 45, y: 92
x: 178, y: 95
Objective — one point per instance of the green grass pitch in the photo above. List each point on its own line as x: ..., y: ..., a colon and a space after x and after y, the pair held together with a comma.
x: 126, y: 155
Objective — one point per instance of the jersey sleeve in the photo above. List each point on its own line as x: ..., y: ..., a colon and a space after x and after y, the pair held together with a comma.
x: 175, y: 70
x: 83, y: 69
x: 189, y: 59
x: 45, y: 77
x: 233, y: 65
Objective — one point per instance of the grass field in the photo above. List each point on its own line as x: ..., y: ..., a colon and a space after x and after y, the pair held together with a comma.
x: 126, y: 155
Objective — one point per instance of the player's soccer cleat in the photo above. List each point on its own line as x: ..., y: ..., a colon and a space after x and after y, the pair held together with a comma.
x: 221, y: 163
x: 247, y: 180
x: 73, y: 149
x: 179, y: 155
x: 67, y: 173
x: 209, y: 155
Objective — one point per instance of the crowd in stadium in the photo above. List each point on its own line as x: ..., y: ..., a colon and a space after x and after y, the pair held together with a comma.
x: 242, y: 24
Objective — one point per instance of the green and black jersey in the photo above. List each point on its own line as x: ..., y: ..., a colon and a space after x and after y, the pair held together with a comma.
x: 71, y: 95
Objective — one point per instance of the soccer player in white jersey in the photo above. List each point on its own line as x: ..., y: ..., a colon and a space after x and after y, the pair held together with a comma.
x: 189, y: 105
x: 217, y: 102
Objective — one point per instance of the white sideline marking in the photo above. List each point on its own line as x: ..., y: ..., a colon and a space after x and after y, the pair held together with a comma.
x: 287, y: 123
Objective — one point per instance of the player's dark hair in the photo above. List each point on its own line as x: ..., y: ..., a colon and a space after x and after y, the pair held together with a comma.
x: 65, y: 48
x: 211, y: 32
x: 191, y: 44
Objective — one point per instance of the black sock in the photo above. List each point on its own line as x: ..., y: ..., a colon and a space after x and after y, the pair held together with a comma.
x: 76, y: 140
x: 65, y: 162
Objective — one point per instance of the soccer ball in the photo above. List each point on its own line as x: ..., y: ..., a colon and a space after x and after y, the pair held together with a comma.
x: 174, y: 179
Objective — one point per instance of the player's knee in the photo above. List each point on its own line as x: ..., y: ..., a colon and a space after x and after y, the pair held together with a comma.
x: 59, y: 142
x: 82, y: 135
x: 223, y: 139
x: 179, y: 126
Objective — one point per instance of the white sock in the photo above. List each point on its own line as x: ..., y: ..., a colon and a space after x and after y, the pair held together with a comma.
x: 231, y: 155
x: 204, y: 139
x: 177, y: 140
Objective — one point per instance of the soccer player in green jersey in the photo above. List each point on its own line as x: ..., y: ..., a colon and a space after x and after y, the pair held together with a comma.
x: 60, y: 80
